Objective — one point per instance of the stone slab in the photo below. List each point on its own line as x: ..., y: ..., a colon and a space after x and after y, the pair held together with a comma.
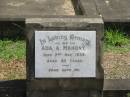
x: 114, y: 10
x: 109, y: 10
x: 117, y: 84
x: 67, y: 24
x: 112, y: 88
x: 34, y: 8
x: 109, y: 85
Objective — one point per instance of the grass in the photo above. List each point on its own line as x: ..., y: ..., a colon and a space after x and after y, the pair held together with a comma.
x: 116, y: 41
x: 12, y: 59
x: 128, y: 94
x: 12, y: 50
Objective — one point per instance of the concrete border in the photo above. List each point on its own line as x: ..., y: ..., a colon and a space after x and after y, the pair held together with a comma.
x: 112, y: 88
x: 117, y: 84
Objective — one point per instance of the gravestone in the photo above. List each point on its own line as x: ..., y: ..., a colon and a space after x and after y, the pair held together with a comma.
x: 64, y: 57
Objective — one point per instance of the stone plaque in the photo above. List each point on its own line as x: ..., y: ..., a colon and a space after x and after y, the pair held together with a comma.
x: 65, y: 54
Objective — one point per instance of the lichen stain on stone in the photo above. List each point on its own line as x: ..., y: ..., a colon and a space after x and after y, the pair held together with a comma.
x: 39, y: 1
x: 68, y: 7
x: 16, y: 4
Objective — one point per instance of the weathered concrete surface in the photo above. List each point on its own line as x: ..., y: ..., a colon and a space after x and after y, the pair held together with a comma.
x: 110, y: 10
x: 34, y: 8
x: 117, y: 84
x: 112, y: 88
x: 114, y: 10
x: 88, y: 8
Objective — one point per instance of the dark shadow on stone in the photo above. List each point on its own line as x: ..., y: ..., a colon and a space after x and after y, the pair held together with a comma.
x: 77, y: 7
x: 13, y: 88
x: 12, y: 30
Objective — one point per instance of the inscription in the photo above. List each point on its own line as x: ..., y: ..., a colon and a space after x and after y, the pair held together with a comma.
x: 65, y: 54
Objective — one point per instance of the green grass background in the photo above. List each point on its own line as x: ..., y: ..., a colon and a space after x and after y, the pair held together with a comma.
x: 114, y: 41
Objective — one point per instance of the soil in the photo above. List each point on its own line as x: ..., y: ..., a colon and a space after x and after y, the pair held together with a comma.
x: 116, y: 65
x: 15, y: 69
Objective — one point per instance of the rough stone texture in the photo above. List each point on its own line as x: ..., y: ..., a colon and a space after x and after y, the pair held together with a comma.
x: 17, y: 88
x: 88, y: 8
x: 114, y: 10
x: 37, y: 86
x: 110, y: 10
x: 22, y: 9
x: 112, y: 88
x: 116, y: 84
